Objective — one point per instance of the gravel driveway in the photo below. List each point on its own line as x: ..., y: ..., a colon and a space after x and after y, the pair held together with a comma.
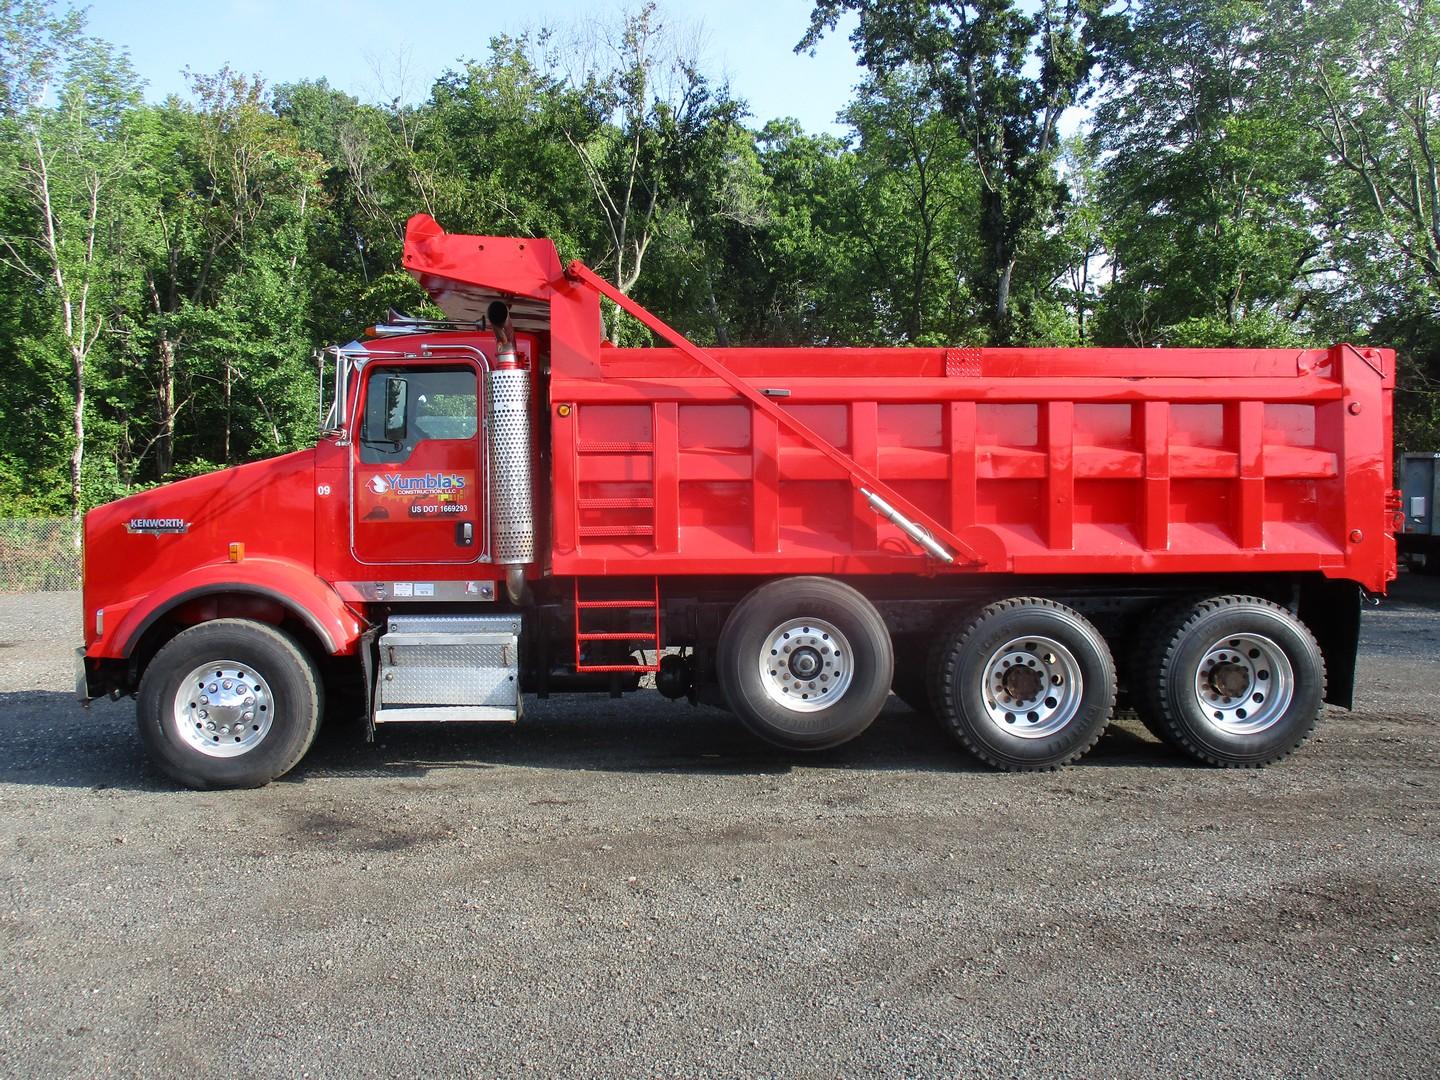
x: 633, y: 888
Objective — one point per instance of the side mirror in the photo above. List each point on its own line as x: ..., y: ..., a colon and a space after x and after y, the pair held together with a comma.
x: 390, y: 424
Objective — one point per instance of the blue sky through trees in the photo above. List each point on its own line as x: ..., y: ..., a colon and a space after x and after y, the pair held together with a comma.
x: 355, y: 44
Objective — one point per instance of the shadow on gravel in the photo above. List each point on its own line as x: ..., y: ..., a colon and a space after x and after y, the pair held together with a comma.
x: 46, y: 738
x: 1413, y: 590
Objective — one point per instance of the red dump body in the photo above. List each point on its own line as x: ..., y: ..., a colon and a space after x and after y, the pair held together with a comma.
x: 681, y: 460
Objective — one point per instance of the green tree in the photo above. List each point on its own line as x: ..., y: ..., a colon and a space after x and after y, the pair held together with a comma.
x: 1376, y: 78
x: 651, y: 142
x: 70, y: 212
x: 1003, y: 74
x: 1210, y: 180
x: 916, y: 212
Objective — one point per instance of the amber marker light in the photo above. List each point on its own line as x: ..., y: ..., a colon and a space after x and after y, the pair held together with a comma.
x: 237, y: 552
x: 563, y: 410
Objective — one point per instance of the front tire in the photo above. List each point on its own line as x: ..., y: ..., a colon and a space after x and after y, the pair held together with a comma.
x: 1235, y: 681
x: 805, y: 662
x: 1025, y: 684
x: 230, y: 703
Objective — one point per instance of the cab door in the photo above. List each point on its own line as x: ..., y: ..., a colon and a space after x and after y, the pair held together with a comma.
x: 417, y: 466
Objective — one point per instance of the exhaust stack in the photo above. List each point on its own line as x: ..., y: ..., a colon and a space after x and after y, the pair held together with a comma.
x: 507, y: 425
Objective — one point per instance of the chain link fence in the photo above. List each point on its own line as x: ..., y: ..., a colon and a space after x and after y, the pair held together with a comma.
x: 38, y: 555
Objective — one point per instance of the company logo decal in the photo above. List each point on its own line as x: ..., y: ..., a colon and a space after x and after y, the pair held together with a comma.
x: 398, y: 496
x: 157, y: 526
x: 417, y: 483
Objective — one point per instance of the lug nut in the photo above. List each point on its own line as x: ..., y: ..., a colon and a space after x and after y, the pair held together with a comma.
x: 203, y: 714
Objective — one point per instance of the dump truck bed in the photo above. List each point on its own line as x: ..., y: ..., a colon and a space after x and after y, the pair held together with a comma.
x: 1045, y: 460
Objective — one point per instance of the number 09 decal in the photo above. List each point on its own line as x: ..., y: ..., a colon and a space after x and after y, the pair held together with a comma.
x: 322, y: 490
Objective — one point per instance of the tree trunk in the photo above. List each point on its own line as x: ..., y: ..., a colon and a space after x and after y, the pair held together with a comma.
x: 999, y: 265
x: 77, y: 450
x: 225, y: 434
x: 165, y: 405
x: 1002, y: 303
x: 717, y: 318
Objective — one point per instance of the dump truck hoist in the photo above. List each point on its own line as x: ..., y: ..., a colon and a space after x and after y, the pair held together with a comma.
x: 502, y: 503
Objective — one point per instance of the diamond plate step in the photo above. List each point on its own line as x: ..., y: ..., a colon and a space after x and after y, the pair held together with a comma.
x: 449, y: 668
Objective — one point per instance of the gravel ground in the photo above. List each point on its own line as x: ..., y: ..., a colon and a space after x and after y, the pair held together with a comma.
x: 637, y: 888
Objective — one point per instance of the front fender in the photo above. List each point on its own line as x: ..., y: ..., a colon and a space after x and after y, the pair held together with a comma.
x: 291, y: 585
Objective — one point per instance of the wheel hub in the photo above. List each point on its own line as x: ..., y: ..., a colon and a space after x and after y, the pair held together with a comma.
x: 1022, y: 683
x: 223, y: 708
x: 805, y: 665
x: 1229, y: 680
x: 1244, y: 684
x: 1033, y: 687
x: 805, y: 662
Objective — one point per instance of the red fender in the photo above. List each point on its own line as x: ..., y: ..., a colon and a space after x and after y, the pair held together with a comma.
x: 291, y: 585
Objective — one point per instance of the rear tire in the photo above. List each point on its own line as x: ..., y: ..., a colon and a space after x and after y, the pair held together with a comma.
x: 227, y: 704
x: 1235, y: 681
x: 805, y: 662
x: 1025, y: 684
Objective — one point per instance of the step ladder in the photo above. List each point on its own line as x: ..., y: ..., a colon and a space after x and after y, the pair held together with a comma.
x: 648, y: 639
x: 448, y: 669
x: 606, y: 530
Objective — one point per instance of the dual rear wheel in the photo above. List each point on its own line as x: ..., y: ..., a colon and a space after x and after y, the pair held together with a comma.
x: 1233, y: 681
x: 1026, y: 683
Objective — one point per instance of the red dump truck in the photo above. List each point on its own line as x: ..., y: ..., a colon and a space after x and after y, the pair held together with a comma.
x: 502, y: 503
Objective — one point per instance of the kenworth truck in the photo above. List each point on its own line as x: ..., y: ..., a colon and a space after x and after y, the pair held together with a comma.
x: 502, y: 503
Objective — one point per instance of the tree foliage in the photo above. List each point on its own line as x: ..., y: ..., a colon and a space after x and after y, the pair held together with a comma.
x: 168, y: 267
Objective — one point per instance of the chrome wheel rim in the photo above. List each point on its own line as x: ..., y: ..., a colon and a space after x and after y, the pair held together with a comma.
x: 223, y: 708
x: 1244, y: 684
x: 1033, y: 687
x: 806, y: 665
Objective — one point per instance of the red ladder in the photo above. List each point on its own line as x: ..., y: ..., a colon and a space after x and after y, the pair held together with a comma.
x: 651, y: 636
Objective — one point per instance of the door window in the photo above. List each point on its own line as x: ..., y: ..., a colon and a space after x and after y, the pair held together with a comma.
x: 428, y: 403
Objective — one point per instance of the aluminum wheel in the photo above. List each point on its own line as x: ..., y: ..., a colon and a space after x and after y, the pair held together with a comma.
x: 805, y: 665
x: 223, y: 708
x: 1033, y: 687
x: 1244, y: 684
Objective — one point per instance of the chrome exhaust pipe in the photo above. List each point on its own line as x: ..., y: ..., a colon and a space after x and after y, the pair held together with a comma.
x: 507, y: 425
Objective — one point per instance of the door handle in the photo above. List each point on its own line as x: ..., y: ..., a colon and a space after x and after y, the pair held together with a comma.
x: 464, y: 533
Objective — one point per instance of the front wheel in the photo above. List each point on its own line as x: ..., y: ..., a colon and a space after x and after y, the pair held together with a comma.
x: 229, y: 703
x: 805, y: 662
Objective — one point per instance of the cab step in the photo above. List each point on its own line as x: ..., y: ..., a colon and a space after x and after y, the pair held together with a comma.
x: 449, y: 669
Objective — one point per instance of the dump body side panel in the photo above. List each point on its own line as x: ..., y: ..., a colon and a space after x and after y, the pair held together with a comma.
x: 1077, y: 461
